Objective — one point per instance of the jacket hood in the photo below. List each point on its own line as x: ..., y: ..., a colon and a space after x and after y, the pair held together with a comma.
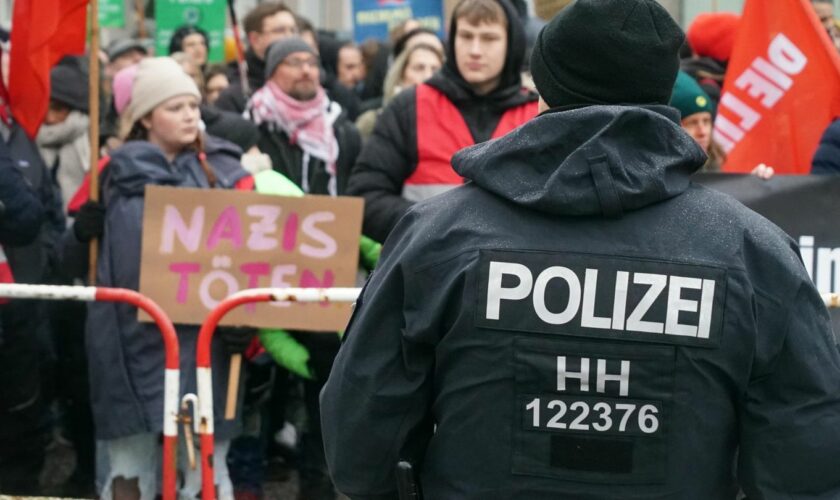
x: 139, y: 163
x: 449, y: 80
x: 594, y: 160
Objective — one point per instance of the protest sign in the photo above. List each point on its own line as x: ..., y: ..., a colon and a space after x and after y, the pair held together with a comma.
x: 374, y: 18
x: 111, y: 13
x: 200, y: 246
x: 804, y: 207
x: 208, y: 15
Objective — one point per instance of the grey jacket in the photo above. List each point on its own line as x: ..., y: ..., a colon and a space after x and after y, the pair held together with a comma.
x: 582, y: 322
x: 126, y: 358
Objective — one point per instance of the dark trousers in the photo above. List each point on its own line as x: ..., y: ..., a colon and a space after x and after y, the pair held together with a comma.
x: 24, y: 425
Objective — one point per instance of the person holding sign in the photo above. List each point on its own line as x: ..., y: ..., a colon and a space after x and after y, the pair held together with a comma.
x: 164, y: 147
x: 582, y: 320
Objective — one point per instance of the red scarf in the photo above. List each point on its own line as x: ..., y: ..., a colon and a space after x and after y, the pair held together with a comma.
x: 309, y: 124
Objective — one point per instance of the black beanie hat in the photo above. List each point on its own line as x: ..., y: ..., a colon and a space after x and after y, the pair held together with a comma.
x: 607, y: 52
x: 69, y: 83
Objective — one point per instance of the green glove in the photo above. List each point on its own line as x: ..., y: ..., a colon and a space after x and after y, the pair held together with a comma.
x: 287, y: 352
x: 369, y: 251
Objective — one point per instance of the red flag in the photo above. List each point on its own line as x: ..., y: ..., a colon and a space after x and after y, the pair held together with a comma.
x: 43, y: 31
x: 782, y: 88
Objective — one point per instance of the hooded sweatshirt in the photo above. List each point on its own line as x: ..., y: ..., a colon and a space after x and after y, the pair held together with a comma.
x: 581, y: 321
x: 390, y: 157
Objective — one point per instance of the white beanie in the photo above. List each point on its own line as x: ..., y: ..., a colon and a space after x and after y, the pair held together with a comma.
x: 158, y: 79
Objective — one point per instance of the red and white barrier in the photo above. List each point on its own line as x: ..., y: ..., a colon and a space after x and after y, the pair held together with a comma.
x: 170, y: 342
x: 204, y: 373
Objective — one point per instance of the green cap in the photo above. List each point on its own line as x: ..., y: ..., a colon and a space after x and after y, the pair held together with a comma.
x: 689, y: 97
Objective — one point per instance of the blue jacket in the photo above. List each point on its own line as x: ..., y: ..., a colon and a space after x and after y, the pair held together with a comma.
x: 126, y: 357
x: 827, y: 158
x: 21, y: 213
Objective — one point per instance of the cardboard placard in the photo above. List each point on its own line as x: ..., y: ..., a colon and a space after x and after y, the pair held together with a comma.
x: 202, y: 245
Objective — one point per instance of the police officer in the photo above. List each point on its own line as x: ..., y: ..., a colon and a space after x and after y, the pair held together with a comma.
x: 580, y: 320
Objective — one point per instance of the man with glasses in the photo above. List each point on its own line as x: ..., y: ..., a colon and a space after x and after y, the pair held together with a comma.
x: 266, y: 23
x: 301, y: 129
x: 311, y: 143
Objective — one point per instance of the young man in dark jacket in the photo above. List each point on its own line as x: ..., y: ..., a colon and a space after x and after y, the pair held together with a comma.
x: 264, y: 24
x: 267, y: 23
x: 581, y: 321
x: 477, y: 96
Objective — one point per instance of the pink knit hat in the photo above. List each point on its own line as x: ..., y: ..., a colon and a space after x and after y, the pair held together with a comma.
x: 123, y: 83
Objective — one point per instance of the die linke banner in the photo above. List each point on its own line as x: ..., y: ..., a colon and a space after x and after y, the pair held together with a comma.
x: 782, y: 88
x: 806, y: 208
x: 201, y: 245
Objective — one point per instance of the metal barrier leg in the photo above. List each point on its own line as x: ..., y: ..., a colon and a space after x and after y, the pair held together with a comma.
x: 204, y: 373
x: 170, y: 342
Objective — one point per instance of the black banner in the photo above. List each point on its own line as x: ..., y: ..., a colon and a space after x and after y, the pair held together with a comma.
x: 806, y: 207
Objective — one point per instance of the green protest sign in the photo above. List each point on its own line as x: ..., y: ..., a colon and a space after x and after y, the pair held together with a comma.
x: 208, y: 15
x: 111, y: 13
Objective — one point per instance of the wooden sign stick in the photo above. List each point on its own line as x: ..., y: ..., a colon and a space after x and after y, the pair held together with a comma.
x: 93, y: 87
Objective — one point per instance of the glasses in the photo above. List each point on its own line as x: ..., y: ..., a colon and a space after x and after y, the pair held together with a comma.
x: 282, y: 30
x: 312, y: 62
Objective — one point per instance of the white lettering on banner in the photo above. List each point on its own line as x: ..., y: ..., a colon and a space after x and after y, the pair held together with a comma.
x: 822, y: 264
x: 765, y: 81
x: 576, y: 302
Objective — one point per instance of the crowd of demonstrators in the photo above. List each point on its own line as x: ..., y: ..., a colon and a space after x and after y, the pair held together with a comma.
x: 315, y: 114
x: 477, y: 95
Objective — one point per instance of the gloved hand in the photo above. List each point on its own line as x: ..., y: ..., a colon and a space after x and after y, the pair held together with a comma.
x: 236, y: 338
x: 90, y: 221
x: 287, y: 352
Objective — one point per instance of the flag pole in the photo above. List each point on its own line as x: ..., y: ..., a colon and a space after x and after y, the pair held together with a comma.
x: 240, y: 51
x: 140, y: 12
x: 93, y: 88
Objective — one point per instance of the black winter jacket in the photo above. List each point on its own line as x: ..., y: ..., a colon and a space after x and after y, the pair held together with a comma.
x: 581, y: 321
x: 389, y: 157
x: 287, y: 158
x: 827, y: 157
x: 233, y: 98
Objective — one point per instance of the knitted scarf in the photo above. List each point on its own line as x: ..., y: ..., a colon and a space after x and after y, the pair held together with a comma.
x: 309, y: 125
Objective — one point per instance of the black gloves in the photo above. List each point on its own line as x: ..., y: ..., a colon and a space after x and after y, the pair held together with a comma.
x: 90, y: 221
x: 236, y: 339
